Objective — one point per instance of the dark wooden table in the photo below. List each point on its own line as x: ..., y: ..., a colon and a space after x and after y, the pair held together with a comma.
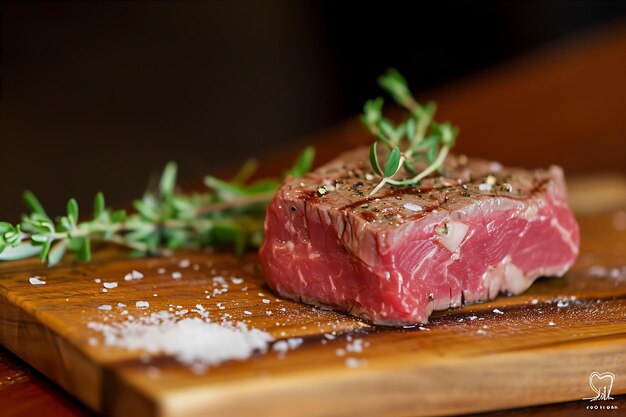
x: 565, y: 104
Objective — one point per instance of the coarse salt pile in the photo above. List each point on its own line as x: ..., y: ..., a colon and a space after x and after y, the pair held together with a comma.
x: 194, y: 341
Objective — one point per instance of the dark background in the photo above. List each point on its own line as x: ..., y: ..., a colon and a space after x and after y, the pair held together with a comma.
x: 98, y: 95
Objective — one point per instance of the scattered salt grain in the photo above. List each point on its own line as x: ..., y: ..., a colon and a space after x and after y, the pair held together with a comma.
x: 176, y: 275
x: 485, y: 186
x: 237, y: 281
x: 355, y: 363
x: 495, y: 310
x: 472, y: 318
x: 534, y: 301
x: 551, y: 323
x: 184, y: 263
x: 219, y: 280
x: 36, y: 281
x: 97, y: 280
x: 110, y: 285
x: 134, y: 274
x: 105, y: 290
x: 294, y: 342
x: 481, y: 331
x: 105, y: 307
x: 413, y: 207
x: 142, y: 304
x: 266, y: 301
x: 247, y: 313
x: 562, y: 303
x: 121, y: 305
x: 201, y: 311
x: 161, y: 270
x: 355, y: 346
x: 283, y: 346
x: 340, y: 352
x: 261, y: 294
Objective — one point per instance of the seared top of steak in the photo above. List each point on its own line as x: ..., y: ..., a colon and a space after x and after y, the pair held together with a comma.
x: 345, y: 184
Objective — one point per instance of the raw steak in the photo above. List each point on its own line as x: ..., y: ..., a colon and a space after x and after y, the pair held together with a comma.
x: 395, y: 257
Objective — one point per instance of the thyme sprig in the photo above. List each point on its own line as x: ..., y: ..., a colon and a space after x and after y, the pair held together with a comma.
x: 229, y: 212
x: 417, y: 138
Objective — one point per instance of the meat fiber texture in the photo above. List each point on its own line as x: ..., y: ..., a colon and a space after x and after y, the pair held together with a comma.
x: 395, y: 257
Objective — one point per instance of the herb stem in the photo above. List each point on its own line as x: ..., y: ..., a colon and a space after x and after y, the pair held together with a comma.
x: 388, y: 179
x: 443, y: 153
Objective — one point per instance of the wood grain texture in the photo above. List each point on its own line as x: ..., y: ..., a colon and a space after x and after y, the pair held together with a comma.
x: 24, y: 392
x: 450, y: 368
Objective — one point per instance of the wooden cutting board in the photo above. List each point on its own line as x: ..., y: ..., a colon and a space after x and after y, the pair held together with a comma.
x: 453, y: 365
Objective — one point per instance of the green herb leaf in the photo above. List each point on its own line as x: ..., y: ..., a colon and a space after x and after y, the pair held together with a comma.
x: 56, y: 252
x: 39, y: 238
x: 6, y: 227
x: 410, y: 128
x: 409, y: 168
x: 146, y: 210
x: 81, y: 248
x: 223, y: 189
x: 387, y: 128
x: 168, y: 180
x: 372, y: 111
x: 45, y: 248
x: 374, y: 159
x: 72, y: 210
x: 33, y: 203
x: 393, y: 162
x: 395, y: 84
x: 118, y: 216
x: 25, y: 250
x: 303, y: 162
x: 245, y: 172
x: 98, y: 205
